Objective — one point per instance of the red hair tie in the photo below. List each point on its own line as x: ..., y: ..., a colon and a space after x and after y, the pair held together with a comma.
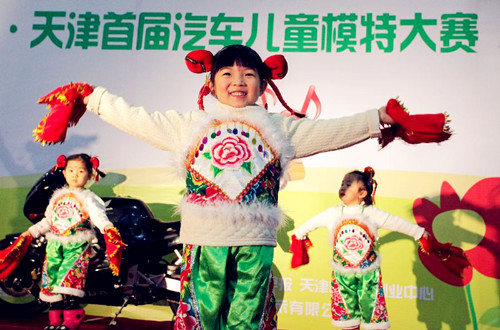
x: 60, y: 162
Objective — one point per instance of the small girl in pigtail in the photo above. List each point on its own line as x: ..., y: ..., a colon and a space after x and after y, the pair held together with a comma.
x: 357, y: 291
x: 68, y: 224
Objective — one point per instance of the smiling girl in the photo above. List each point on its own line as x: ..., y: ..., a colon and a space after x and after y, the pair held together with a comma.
x: 233, y: 159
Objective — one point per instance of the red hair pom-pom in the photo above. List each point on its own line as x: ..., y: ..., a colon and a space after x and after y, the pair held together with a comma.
x: 95, y: 167
x: 60, y: 162
x: 278, y: 66
x: 370, y: 172
x: 199, y: 61
x: 95, y: 162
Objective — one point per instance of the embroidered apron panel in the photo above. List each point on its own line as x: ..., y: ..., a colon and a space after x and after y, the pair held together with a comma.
x: 69, y: 216
x: 230, y: 159
x: 353, y: 243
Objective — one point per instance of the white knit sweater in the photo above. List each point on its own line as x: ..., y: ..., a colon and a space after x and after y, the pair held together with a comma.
x: 67, y: 210
x: 230, y: 222
x: 370, y: 218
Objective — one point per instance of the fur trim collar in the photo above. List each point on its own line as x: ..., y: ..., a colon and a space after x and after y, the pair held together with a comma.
x: 80, y: 194
x: 230, y: 224
x: 80, y: 236
x: 345, y: 270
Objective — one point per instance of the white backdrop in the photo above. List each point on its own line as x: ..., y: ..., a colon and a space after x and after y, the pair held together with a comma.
x: 41, y: 49
x: 465, y: 84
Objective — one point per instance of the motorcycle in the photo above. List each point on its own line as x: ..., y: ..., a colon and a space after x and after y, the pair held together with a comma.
x: 150, y: 268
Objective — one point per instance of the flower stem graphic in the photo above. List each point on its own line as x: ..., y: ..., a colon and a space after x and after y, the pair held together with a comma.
x: 471, y: 307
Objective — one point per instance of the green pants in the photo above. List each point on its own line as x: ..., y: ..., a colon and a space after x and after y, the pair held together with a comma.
x: 228, y: 288
x: 358, y: 298
x: 65, y: 270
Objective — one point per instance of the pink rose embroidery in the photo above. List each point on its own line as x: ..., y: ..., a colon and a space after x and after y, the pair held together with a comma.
x: 231, y: 152
x: 353, y: 243
x: 64, y: 211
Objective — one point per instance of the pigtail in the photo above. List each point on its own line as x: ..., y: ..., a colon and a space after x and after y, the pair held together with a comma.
x: 278, y: 67
x: 200, y: 61
x: 372, y: 183
x: 96, y: 173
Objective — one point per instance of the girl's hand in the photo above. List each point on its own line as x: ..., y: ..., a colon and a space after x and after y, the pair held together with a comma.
x: 384, y: 117
x: 26, y: 233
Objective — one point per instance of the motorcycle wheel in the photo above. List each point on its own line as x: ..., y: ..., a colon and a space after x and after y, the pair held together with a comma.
x: 19, y: 297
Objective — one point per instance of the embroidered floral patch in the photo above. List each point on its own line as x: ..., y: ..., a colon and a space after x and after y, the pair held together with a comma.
x: 231, y: 158
x: 380, y: 312
x: 69, y: 215
x: 353, y: 243
x: 75, y: 278
x: 339, y: 308
x: 186, y: 317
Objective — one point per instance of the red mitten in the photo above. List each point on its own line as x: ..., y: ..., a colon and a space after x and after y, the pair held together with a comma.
x: 13, y: 255
x: 452, y: 257
x: 114, y: 249
x: 414, y: 129
x: 66, y: 108
x: 299, y: 249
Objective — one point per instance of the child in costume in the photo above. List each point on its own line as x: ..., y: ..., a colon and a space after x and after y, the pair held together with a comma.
x: 357, y: 291
x: 68, y: 224
x: 233, y: 159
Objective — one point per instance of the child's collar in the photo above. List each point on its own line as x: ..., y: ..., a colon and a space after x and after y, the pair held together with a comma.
x: 224, y: 107
x: 358, y: 205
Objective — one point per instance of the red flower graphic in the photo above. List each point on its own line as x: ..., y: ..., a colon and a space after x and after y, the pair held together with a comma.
x: 353, y: 243
x: 231, y: 152
x: 482, y: 198
x: 64, y: 211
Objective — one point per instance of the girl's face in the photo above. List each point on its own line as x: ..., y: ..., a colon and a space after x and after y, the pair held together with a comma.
x: 354, y: 194
x: 76, y: 174
x: 236, y: 86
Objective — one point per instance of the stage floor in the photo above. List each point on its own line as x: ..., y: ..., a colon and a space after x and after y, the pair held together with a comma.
x: 89, y: 322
